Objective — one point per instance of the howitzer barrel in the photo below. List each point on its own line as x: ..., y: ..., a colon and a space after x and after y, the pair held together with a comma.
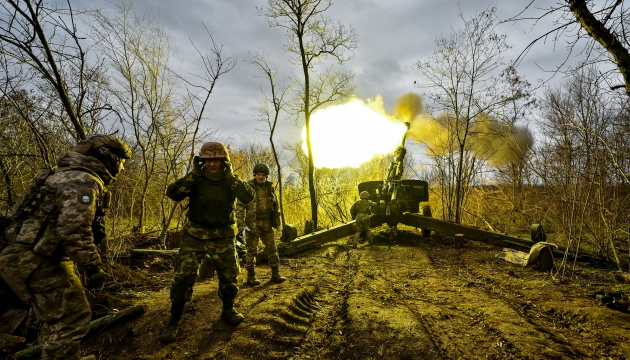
x: 405, y: 135
x: 395, y: 170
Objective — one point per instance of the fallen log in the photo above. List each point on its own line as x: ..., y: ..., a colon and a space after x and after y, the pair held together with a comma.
x: 147, y: 252
x: 96, y: 326
x: 104, y: 322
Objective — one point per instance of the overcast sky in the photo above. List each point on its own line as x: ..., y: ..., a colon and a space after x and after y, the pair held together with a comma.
x: 393, y: 35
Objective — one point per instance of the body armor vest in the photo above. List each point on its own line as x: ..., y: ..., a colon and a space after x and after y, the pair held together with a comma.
x: 211, y: 203
x: 264, y: 203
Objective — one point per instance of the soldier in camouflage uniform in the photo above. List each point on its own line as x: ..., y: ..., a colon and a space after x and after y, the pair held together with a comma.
x: 360, y: 212
x: 212, y: 189
x: 259, y: 218
x: 45, y: 243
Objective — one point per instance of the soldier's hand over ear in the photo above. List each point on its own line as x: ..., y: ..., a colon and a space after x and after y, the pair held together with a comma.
x: 197, y: 165
x: 229, y: 168
x: 229, y: 173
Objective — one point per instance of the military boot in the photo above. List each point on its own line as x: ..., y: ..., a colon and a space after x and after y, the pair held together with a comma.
x: 230, y: 314
x: 170, y: 330
x: 275, y: 275
x: 355, y: 240
x: 251, y: 277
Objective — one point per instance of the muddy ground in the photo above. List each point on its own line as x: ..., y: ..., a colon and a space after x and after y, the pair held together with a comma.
x: 420, y: 298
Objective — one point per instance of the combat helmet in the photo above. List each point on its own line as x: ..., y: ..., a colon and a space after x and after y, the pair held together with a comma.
x: 364, y: 195
x: 261, y: 168
x: 106, y: 148
x: 214, y: 150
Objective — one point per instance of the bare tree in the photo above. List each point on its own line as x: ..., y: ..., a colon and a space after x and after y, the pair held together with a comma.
x: 29, y: 140
x: 580, y: 134
x: 45, y: 39
x: 603, y: 22
x: 470, y: 82
x: 271, y: 105
x: 144, y: 90
x: 314, y: 39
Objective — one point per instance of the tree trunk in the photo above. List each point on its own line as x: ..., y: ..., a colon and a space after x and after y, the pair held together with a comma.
x: 604, y: 36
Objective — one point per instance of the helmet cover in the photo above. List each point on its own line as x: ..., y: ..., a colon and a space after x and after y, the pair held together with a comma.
x: 87, y: 146
x: 214, y: 150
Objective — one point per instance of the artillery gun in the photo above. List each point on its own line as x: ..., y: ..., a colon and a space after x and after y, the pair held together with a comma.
x: 395, y: 196
x: 398, y: 202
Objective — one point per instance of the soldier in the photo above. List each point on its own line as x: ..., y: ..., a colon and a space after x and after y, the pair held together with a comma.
x: 260, y: 217
x: 212, y: 189
x: 45, y: 242
x: 361, y: 211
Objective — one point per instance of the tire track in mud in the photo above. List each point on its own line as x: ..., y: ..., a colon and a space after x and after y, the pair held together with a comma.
x: 354, y: 323
x: 465, y: 320
x: 430, y: 315
x: 380, y: 324
x: 280, y: 320
x: 565, y: 318
x: 275, y: 325
x: 327, y: 338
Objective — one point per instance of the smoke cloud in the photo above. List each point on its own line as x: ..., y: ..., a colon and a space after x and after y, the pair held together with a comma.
x: 500, y: 143
x: 408, y: 107
x: 488, y: 138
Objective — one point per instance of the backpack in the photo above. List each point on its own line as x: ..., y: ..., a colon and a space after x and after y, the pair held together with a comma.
x: 28, y: 203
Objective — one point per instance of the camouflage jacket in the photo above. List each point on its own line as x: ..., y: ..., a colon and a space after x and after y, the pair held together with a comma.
x: 182, y: 188
x: 62, y: 226
x: 363, y: 206
x: 248, y: 213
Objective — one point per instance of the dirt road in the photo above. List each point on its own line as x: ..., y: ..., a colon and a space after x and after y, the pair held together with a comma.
x: 427, y: 299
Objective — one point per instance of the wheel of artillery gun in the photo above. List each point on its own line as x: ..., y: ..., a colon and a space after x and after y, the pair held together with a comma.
x: 537, y: 233
x: 426, y: 211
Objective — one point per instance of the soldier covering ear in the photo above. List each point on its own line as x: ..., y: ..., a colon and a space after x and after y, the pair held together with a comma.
x: 210, y: 232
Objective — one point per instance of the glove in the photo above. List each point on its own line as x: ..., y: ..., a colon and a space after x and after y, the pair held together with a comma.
x: 229, y: 169
x: 230, y: 178
x: 99, y: 232
x: 95, y: 277
x: 197, y: 166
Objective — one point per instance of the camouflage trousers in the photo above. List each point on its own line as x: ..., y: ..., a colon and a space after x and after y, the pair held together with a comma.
x: 262, y: 230
x: 222, y: 254
x: 362, y: 226
x: 57, y: 299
